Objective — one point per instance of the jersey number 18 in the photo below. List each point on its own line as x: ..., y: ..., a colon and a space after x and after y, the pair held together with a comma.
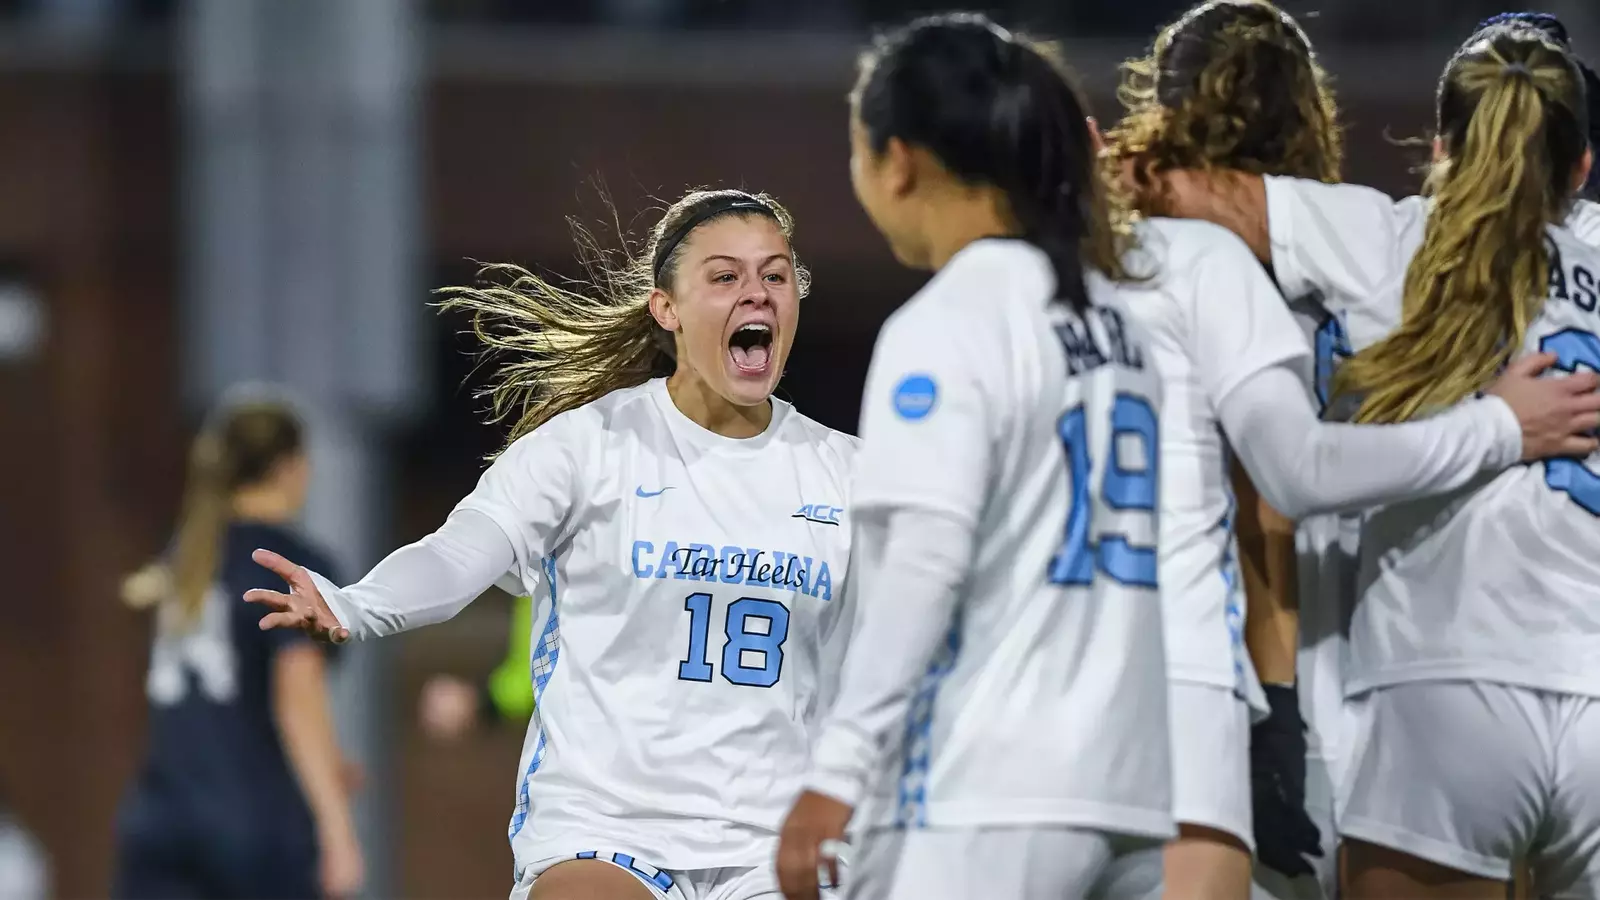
x: 752, y: 626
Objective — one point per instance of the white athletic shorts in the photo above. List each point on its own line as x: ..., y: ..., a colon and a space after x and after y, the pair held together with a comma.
x: 739, y: 883
x: 1023, y: 863
x: 1324, y: 885
x: 1211, y: 759
x: 1474, y: 776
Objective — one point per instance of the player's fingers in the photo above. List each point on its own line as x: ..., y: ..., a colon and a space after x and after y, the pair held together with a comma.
x: 797, y: 868
x: 277, y: 565
x: 1581, y: 382
x: 1583, y: 402
x: 1577, y: 446
x: 281, y: 620
x: 274, y: 599
x: 1531, y: 365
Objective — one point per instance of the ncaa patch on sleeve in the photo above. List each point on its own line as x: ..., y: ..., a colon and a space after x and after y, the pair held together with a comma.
x: 915, y: 396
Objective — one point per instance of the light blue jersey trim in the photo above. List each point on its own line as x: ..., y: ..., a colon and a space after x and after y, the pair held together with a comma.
x: 912, y: 805
x: 546, y: 653
x: 1232, y: 614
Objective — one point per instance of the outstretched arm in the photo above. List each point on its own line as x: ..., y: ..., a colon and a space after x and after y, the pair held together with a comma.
x: 420, y: 584
x: 521, y: 506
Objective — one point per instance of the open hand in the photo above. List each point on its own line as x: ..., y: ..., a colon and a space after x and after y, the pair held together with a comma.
x: 302, y: 608
x: 1559, y: 416
x: 811, y: 835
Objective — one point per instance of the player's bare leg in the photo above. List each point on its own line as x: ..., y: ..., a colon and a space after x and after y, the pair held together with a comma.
x: 1381, y: 873
x: 588, y: 879
x: 1205, y: 864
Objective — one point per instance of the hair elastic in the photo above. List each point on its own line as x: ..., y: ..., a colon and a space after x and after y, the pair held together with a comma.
x: 731, y: 204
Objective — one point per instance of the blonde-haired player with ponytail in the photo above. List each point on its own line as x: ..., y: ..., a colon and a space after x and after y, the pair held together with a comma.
x: 242, y: 792
x: 1474, y: 678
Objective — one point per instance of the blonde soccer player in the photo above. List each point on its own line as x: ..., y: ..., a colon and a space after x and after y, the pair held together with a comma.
x: 1475, y: 622
x: 1002, y: 725
x: 683, y: 535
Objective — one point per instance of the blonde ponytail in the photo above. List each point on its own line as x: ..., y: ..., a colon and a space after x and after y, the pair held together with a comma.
x: 564, y: 347
x: 1509, y: 117
x: 239, y: 449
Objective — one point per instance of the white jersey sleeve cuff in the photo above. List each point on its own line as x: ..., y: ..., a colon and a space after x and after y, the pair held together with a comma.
x: 840, y: 765
x: 340, y: 605
x: 1502, y: 422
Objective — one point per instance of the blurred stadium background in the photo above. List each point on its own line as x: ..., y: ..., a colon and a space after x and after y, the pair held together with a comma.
x: 194, y: 194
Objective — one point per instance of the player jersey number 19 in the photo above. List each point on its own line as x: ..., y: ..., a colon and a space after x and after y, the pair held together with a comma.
x: 1122, y: 488
x: 754, y: 628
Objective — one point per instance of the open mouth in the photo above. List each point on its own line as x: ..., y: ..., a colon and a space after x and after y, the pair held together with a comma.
x: 751, y: 348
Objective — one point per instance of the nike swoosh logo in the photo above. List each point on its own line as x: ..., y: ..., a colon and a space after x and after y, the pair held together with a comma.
x: 640, y: 491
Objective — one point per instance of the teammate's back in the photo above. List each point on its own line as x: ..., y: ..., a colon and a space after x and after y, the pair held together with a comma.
x: 1440, y: 598
x: 1059, y: 622
x: 1001, y: 727
x: 1497, y: 580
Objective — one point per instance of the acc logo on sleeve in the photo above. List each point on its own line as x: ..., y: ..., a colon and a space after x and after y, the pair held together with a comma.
x: 915, y: 396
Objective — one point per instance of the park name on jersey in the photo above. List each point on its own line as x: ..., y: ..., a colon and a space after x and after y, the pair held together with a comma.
x: 734, y: 565
x: 1084, y: 353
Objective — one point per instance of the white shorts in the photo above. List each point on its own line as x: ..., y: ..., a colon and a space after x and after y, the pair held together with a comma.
x: 738, y: 883
x: 1324, y: 885
x: 1026, y: 863
x: 1211, y: 759
x: 1474, y: 776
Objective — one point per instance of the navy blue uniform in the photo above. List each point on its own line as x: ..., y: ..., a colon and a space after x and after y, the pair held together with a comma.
x: 216, y: 811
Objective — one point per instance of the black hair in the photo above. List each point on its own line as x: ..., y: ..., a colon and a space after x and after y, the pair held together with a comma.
x: 995, y: 109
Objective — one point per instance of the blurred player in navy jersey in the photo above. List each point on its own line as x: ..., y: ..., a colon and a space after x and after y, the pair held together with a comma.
x: 243, y: 792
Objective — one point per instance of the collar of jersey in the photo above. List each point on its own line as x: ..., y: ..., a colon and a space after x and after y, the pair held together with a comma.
x: 691, y: 431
